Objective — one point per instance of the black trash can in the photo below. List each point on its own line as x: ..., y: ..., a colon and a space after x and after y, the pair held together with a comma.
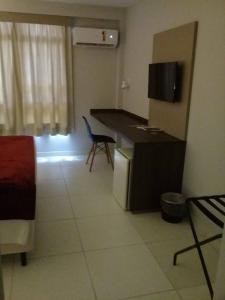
x: 173, y: 207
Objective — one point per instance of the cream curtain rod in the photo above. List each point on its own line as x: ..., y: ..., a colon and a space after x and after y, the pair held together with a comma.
x: 36, y: 18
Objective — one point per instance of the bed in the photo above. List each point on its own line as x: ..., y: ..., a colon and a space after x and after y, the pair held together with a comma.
x: 17, y: 195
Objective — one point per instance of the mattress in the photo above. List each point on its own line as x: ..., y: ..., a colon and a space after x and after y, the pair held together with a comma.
x: 17, y: 178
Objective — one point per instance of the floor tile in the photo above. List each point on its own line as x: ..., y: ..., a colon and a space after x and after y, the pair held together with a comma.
x: 56, y: 237
x: 195, y: 293
x: 152, y: 227
x: 188, y: 271
x: 49, y: 170
x: 123, y: 267
x: 170, y: 295
x: 168, y: 248
x: 90, y: 184
x: 85, y: 205
x: 107, y: 176
x: 79, y: 167
x: 107, y: 231
x: 74, y: 170
x: 125, y: 272
x: 53, y: 278
x: 51, y: 188
x: 79, y: 179
x: 7, y: 273
x: 54, y: 208
x: 216, y: 245
x: 100, y: 163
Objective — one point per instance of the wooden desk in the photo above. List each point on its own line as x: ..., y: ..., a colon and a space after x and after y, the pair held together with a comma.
x: 158, y: 159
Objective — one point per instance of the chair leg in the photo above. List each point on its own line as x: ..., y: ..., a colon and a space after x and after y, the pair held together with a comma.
x: 89, y: 153
x: 109, y: 155
x: 93, y: 155
x: 23, y: 259
x: 106, y: 152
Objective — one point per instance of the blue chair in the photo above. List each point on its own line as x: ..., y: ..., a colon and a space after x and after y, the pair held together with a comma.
x: 99, y: 143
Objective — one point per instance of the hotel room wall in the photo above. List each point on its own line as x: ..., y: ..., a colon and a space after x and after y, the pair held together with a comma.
x: 97, y: 71
x: 204, y: 171
x: 95, y: 74
x: 95, y: 82
x: 61, y: 9
x: 205, y: 164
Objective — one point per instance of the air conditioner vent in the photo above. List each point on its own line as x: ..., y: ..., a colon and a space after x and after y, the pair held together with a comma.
x: 95, y: 37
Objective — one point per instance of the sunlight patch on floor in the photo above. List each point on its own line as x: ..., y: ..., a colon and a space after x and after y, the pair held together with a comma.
x: 52, y: 159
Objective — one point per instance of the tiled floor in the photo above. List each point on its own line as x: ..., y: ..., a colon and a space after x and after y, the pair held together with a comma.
x: 88, y: 248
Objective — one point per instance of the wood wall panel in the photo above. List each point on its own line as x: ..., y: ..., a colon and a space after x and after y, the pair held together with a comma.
x: 176, y: 44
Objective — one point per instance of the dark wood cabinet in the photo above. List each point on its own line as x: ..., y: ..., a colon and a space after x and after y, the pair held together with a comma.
x: 158, y: 158
x: 157, y: 168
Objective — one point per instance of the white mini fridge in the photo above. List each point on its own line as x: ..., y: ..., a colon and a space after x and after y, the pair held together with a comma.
x: 121, y: 175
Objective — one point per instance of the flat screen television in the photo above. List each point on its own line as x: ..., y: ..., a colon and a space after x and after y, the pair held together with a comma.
x: 163, y: 81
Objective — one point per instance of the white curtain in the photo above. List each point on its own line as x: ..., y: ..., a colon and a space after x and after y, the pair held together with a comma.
x: 33, y: 83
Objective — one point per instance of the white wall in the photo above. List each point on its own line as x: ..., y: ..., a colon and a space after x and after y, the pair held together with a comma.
x: 95, y: 87
x: 204, y: 171
x: 63, y: 9
x: 205, y: 162
x: 97, y: 73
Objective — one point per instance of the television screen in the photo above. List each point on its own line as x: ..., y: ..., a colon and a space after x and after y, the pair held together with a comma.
x: 163, y: 81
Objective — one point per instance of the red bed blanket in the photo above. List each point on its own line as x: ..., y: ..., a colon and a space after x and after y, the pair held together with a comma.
x: 17, y: 178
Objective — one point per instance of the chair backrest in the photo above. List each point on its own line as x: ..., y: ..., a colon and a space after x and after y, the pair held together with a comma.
x: 88, y: 127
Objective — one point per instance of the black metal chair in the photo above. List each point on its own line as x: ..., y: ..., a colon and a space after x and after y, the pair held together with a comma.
x: 214, y: 208
x: 99, y: 143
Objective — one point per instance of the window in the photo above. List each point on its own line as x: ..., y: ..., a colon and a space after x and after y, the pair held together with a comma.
x: 33, y: 83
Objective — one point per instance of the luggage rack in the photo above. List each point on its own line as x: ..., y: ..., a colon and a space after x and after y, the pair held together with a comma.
x: 212, y: 207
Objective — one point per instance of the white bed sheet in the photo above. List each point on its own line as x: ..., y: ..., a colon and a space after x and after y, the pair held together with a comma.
x: 16, y: 236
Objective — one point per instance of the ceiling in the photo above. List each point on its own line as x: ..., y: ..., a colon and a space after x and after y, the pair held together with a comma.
x: 112, y: 3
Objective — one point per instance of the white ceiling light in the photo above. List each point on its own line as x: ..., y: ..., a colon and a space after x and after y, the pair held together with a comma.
x: 112, y: 3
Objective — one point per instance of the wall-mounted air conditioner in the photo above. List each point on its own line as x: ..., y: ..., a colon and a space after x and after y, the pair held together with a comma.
x: 95, y: 37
